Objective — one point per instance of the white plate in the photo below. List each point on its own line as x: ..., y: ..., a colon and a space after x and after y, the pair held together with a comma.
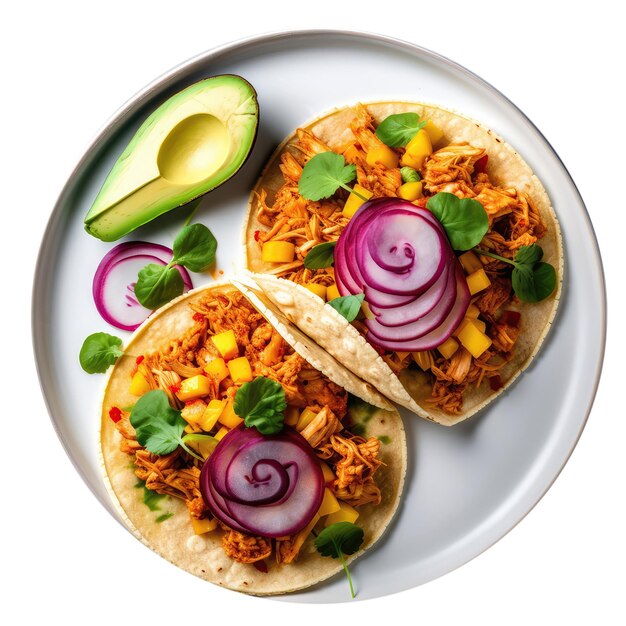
x: 467, y: 486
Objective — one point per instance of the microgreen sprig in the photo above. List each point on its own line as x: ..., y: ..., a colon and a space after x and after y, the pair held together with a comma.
x: 324, y: 174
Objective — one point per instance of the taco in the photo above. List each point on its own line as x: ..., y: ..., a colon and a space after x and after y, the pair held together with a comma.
x: 492, y: 335
x: 236, y: 502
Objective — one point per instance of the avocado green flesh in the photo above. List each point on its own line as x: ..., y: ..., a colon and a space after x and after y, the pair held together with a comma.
x: 192, y: 143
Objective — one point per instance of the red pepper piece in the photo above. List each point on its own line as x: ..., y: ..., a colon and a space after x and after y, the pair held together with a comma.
x: 139, y: 359
x: 198, y: 317
x: 480, y: 167
x: 115, y: 414
x: 256, y: 235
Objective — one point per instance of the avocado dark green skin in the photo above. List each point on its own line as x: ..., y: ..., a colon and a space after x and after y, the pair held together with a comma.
x: 135, y: 191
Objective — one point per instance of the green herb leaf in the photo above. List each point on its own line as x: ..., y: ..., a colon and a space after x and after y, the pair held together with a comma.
x: 99, y: 351
x: 464, y: 220
x: 194, y: 247
x: 320, y: 256
x: 324, y: 174
x: 159, y: 427
x: 339, y: 539
x: 210, y: 442
x: 398, y: 129
x: 348, y: 306
x: 151, y: 498
x: 532, y: 279
x: 533, y: 283
x: 163, y: 517
x: 261, y: 404
x: 157, y: 285
x: 409, y: 175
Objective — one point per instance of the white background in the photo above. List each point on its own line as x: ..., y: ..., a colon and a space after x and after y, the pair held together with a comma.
x: 66, y: 68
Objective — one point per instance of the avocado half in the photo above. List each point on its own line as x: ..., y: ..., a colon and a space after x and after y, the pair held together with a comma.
x: 195, y: 141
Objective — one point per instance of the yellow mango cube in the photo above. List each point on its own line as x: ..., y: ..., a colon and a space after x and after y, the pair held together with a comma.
x: 202, y: 526
x: 477, y: 281
x: 448, y: 347
x: 240, y: 370
x: 192, y: 429
x: 346, y: 513
x: 219, y: 435
x: 139, y: 385
x: 193, y: 388
x: 417, y: 150
x: 329, y: 475
x: 332, y: 292
x: 211, y: 414
x: 354, y: 202
x: 482, y: 327
x: 410, y: 191
x: 291, y: 415
x: 192, y: 412
x: 217, y: 369
x: 317, y: 289
x: 434, y: 132
x: 472, y: 311
x: 226, y: 344
x: 306, y: 417
x: 228, y: 417
x: 278, y: 252
x: 329, y: 505
x: 473, y: 340
x: 470, y: 262
x: 382, y: 155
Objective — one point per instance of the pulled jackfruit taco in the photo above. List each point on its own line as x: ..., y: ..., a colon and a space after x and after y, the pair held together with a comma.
x: 446, y: 240
x: 230, y: 441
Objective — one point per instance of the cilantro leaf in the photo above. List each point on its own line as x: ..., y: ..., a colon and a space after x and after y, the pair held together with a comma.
x: 324, y: 174
x: 194, y: 247
x: 398, y: 129
x: 339, y: 539
x: 348, y: 306
x: 158, y: 284
x: 261, y: 404
x: 99, y: 351
x: 464, y: 220
x: 532, y: 279
x: 320, y: 256
x: 159, y: 427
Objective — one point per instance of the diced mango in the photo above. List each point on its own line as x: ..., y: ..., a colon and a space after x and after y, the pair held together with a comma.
x: 482, y: 327
x: 351, y: 153
x: 306, y: 417
x: 291, y: 415
x: 211, y: 414
x: 193, y: 388
x: 417, y: 150
x: 217, y: 369
x: 329, y: 475
x: 354, y: 202
x: 226, y: 344
x: 472, y: 311
x: 470, y: 262
x: 228, y: 417
x: 434, y: 132
x: 311, y: 525
x: 317, y: 289
x: 192, y: 412
x: 382, y: 155
x: 410, y: 191
x: 240, y: 370
x: 423, y: 359
x: 139, y: 385
x: 470, y: 320
x: 345, y: 514
x: 477, y: 281
x: 473, y: 340
x: 448, y: 347
x: 204, y: 446
x: 201, y: 526
x: 332, y: 292
x: 192, y: 429
x: 219, y: 435
x: 278, y: 252
x: 329, y: 505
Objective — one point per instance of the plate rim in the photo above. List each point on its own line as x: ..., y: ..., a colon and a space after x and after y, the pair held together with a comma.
x: 134, y: 103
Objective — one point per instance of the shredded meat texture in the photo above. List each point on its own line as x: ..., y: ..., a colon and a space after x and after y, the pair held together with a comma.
x: 358, y: 460
x: 497, y: 294
x: 321, y: 427
x: 246, y: 548
x: 288, y: 548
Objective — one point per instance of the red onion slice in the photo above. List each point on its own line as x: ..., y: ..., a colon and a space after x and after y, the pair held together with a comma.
x: 263, y: 485
x: 114, y: 282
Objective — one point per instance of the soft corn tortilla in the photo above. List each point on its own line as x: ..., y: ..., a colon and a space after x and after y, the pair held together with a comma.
x: 326, y: 326
x: 202, y: 555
